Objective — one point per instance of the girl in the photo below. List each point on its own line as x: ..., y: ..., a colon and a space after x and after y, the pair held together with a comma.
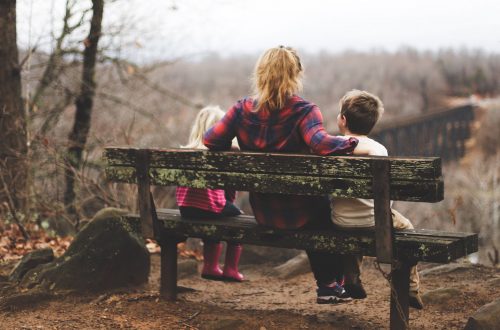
x: 212, y: 204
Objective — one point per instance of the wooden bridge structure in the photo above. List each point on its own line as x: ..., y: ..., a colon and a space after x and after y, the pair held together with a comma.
x: 441, y: 133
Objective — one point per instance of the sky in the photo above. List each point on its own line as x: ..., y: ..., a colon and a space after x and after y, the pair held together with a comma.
x: 165, y: 29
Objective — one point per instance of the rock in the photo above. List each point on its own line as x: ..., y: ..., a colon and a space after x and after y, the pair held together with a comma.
x: 186, y: 268
x: 255, y: 255
x: 486, y: 317
x: 494, y: 283
x: 107, y: 253
x: 30, y: 261
x: 447, y: 268
x: 441, y: 296
x: 294, y: 267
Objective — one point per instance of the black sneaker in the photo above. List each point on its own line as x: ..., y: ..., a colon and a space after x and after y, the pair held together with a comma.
x: 332, y: 295
x: 355, y: 291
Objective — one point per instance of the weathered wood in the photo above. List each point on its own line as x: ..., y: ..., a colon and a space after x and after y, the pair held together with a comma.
x: 383, y: 216
x: 418, y: 245
x: 168, y: 270
x: 277, y: 163
x: 418, y: 191
x: 154, y: 218
x: 400, y: 282
x: 144, y: 194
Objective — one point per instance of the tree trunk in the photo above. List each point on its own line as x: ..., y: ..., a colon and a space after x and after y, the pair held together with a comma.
x: 84, y: 103
x: 13, y: 137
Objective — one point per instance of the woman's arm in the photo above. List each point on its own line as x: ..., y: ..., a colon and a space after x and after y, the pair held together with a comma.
x: 320, y: 142
x: 220, y: 136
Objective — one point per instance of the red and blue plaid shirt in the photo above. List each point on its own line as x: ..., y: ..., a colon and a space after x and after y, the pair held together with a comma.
x: 297, y: 128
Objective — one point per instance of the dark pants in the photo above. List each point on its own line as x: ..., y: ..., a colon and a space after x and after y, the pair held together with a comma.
x: 351, y: 264
x: 229, y: 210
x: 326, y: 267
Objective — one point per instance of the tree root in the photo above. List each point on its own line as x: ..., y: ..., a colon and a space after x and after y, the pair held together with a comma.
x: 20, y: 300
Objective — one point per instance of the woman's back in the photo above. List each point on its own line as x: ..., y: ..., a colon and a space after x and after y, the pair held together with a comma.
x: 278, y: 120
x: 276, y: 131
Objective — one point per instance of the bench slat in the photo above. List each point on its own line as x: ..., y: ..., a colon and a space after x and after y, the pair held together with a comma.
x: 417, y: 191
x: 409, y: 244
x: 401, y: 168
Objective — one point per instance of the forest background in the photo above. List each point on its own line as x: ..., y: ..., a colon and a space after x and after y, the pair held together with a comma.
x: 148, y: 93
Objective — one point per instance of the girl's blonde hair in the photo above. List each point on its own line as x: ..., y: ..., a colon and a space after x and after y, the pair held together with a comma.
x: 206, y: 118
x: 277, y: 76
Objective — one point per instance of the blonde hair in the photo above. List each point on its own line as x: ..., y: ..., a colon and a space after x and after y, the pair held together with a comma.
x: 362, y: 110
x: 206, y: 118
x: 277, y: 76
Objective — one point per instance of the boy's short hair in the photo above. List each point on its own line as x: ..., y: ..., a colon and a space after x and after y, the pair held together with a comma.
x: 362, y: 110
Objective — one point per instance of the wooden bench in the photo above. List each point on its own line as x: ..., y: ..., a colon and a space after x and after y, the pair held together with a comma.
x: 379, y: 178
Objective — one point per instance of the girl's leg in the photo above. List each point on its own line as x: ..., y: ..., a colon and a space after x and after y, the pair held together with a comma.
x: 211, y: 254
x: 193, y: 212
x: 233, y: 250
x: 233, y: 254
x: 230, y: 210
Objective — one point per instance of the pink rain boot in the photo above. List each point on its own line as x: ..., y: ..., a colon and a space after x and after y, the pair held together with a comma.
x: 233, y: 254
x: 211, y: 254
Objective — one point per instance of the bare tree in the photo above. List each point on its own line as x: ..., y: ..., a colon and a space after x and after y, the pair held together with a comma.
x: 84, y: 102
x: 13, y: 138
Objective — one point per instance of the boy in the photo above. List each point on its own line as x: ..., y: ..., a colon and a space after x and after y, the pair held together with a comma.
x: 359, y: 112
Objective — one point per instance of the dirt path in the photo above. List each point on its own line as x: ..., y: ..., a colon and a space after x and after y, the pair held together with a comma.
x: 260, y: 303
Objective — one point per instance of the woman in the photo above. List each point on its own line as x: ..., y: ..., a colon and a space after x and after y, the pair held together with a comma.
x: 276, y: 119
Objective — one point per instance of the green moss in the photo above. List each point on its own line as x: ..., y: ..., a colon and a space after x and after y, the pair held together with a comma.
x: 424, y: 249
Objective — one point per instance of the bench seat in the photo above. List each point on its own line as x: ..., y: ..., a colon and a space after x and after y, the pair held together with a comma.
x: 416, y: 245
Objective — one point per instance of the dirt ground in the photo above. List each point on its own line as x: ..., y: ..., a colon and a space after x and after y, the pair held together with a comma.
x: 262, y: 302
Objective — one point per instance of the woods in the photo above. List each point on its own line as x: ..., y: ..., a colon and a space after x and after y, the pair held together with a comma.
x: 74, y: 91
x: 89, y: 78
x: 77, y: 88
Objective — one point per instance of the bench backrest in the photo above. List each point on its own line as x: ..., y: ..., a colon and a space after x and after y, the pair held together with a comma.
x: 411, y: 179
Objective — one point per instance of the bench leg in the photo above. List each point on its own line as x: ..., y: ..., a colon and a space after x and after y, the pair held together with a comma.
x: 168, y: 281
x: 400, y: 281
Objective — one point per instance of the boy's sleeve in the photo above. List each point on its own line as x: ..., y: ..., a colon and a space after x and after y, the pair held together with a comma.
x: 220, y: 136
x: 320, y: 142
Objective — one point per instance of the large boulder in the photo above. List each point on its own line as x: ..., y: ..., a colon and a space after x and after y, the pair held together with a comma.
x: 107, y: 253
x: 441, y: 297
x: 294, y: 267
x: 486, y: 317
x: 456, y: 267
x: 255, y: 255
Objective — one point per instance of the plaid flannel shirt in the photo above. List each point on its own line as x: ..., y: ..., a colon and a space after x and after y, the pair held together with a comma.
x: 297, y: 128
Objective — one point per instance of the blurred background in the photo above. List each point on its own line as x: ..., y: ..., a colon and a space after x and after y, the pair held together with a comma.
x: 435, y: 65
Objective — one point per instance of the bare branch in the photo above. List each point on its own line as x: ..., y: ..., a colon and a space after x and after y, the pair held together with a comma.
x: 173, y: 95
